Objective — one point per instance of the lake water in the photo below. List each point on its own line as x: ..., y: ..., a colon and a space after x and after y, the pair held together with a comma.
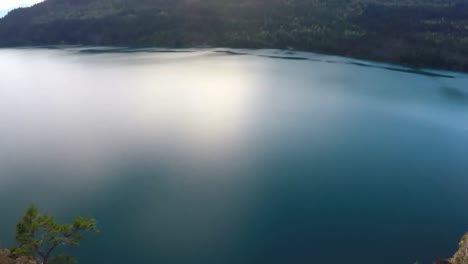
x: 235, y: 156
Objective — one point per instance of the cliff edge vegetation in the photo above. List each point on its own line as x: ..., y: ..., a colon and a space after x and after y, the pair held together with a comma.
x: 38, y: 236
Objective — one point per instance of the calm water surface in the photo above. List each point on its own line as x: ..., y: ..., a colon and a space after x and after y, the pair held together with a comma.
x: 212, y: 156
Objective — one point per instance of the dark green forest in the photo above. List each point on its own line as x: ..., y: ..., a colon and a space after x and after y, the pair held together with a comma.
x: 418, y: 33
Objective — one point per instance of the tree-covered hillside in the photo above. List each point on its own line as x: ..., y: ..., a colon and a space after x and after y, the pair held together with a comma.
x: 421, y: 33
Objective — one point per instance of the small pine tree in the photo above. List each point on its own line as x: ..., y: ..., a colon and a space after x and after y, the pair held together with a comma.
x: 39, y: 235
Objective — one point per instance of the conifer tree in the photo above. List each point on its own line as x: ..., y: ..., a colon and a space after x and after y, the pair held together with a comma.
x: 38, y: 236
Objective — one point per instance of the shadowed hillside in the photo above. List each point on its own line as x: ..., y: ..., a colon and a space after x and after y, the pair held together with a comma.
x: 420, y: 33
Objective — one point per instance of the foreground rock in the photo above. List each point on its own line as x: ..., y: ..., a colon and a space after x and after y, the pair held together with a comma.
x: 7, y: 258
x: 461, y: 257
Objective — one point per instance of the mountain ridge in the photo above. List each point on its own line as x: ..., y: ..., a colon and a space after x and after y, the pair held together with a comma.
x: 417, y: 33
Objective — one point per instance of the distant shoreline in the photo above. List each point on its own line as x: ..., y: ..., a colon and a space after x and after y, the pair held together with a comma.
x: 287, y: 54
x: 417, y: 34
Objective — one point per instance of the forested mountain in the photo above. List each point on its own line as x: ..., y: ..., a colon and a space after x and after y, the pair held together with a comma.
x: 420, y: 33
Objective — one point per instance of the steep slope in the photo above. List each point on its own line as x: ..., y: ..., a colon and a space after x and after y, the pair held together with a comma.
x: 430, y: 33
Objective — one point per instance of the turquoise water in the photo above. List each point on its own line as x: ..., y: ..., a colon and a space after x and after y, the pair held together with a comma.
x: 235, y: 156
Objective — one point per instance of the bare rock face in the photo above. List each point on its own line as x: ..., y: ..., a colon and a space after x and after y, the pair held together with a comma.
x: 461, y: 257
x: 6, y: 258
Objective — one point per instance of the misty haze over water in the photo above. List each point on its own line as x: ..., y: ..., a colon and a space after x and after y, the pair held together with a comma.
x: 236, y: 156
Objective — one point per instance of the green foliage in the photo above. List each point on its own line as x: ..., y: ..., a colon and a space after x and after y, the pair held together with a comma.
x: 39, y: 235
x: 420, y: 33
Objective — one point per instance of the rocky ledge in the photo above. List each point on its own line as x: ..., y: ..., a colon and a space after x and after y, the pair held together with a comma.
x: 461, y: 257
x: 7, y: 258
